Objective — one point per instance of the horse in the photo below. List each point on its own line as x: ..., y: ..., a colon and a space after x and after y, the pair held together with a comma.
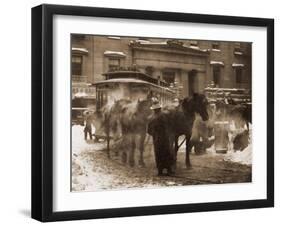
x: 190, y: 106
x: 109, y: 118
x: 180, y: 122
x: 202, y: 136
x: 133, y: 122
x: 126, y: 120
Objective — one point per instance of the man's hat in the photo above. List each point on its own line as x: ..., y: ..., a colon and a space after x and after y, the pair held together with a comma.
x: 88, y: 112
x: 155, y: 104
x: 176, y: 100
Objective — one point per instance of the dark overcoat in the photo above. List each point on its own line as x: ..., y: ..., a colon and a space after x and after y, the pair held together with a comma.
x: 163, y: 144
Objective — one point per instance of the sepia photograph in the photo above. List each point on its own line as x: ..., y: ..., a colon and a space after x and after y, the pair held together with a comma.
x: 159, y: 112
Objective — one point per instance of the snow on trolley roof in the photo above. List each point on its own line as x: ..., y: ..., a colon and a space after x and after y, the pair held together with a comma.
x: 134, y: 74
x: 123, y: 72
x: 130, y: 80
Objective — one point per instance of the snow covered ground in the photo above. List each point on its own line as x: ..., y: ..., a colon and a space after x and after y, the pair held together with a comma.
x: 242, y: 157
x: 92, y: 170
x: 83, y: 170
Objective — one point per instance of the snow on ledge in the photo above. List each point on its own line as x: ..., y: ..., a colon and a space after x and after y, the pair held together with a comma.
x: 216, y: 63
x: 238, y: 53
x: 114, y: 37
x: 83, y: 50
x: 114, y: 53
x: 216, y: 50
x: 237, y: 65
x: 194, y: 47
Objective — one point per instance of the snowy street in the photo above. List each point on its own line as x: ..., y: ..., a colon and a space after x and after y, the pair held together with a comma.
x: 92, y: 170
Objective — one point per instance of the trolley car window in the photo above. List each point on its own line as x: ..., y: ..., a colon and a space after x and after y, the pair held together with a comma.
x: 139, y: 87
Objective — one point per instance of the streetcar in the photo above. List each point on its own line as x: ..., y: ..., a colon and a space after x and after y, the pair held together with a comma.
x: 133, y: 85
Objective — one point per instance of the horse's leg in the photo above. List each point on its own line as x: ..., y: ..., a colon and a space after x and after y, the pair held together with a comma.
x: 108, y: 141
x: 187, y: 151
x: 176, y: 145
x: 124, y: 148
x: 132, y: 151
x: 142, y: 139
x: 173, y: 149
x: 247, y: 124
x: 116, y: 140
x: 108, y: 144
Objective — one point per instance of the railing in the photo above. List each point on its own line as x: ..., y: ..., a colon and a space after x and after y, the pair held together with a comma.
x: 79, y: 78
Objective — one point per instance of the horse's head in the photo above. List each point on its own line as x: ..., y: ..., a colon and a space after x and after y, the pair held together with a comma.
x: 196, y: 104
x: 143, y: 107
x: 119, y: 105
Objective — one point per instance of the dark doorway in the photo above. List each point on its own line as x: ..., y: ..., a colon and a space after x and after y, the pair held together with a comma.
x: 191, y: 82
x: 169, y: 76
x: 217, y: 75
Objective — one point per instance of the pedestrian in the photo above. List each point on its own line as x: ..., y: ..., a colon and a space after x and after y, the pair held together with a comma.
x: 158, y: 129
x: 88, y: 125
x: 176, y: 103
x: 202, y: 136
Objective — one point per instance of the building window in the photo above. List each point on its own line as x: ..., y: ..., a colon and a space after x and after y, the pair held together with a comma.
x: 77, y: 65
x: 114, y: 64
x: 239, y: 75
x: 237, y: 47
x: 216, y: 75
x: 169, y: 77
x: 78, y: 37
x: 215, y: 45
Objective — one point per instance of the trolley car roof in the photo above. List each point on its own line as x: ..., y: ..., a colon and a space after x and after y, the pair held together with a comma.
x: 130, y: 80
x: 134, y: 75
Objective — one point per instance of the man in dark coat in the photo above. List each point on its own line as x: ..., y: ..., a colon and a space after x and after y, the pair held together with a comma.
x: 88, y: 126
x: 163, y: 151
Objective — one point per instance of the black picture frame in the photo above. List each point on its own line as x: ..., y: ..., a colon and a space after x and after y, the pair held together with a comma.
x: 42, y: 109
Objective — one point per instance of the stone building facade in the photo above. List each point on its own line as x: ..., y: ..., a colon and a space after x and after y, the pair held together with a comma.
x: 187, y: 65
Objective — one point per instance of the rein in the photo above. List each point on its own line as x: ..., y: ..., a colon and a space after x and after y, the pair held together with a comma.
x: 181, y: 143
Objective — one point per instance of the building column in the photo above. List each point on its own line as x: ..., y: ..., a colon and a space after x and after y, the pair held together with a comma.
x: 184, y: 79
x: 201, y: 80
